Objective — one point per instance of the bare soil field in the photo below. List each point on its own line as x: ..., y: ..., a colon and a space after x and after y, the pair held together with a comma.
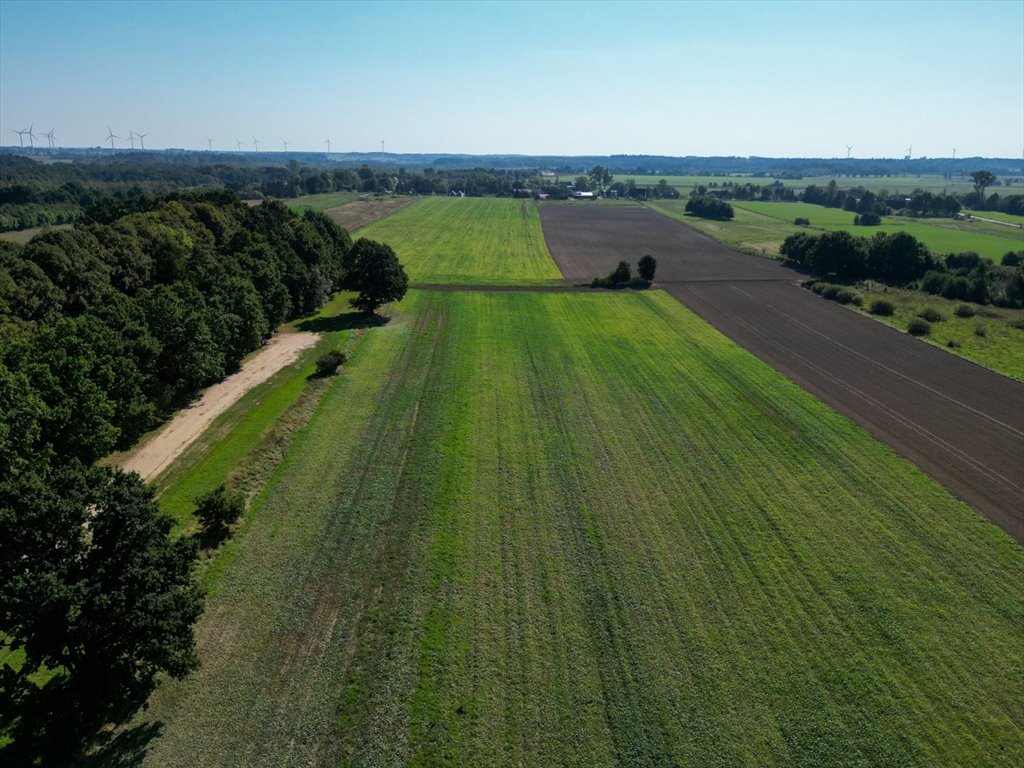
x: 961, y: 423
x: 156, y: 454
x: 353, y: 216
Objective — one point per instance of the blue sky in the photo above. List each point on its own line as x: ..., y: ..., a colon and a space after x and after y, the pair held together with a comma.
x: 763, y: 78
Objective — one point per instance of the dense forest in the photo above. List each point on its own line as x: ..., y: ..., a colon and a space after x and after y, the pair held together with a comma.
x: 103, y: 329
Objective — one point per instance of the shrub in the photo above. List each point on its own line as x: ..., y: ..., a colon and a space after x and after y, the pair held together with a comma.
x: 867, y: 220
x: 985, y: 312
x: 328, y: 364
x: 1018, y: 324
x: 646, y: 266
x: 919, y: 327
x: 218, y: 509
x: 800, y: 221
x: 979, y: 330
x: 952, y: 343
x: 620, y: 274
x: 964, y: 310
x: 818, y: 287
x: 881, y: 307
x: 830, y: 292
x: 709, y: 208
x: 1012, y: 259
x: 931, y: 314
x: 848, y: 296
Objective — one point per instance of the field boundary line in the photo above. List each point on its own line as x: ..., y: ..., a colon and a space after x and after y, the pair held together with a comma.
x: 1008, y: 427
x: 913, y: 425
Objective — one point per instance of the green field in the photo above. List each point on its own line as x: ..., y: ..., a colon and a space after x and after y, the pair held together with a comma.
x: 940, y: 235
x: 586, y: 529
x: 760, y: 228
x: 892, y: 184
x: 1009, y: 218
x: 483, y: 241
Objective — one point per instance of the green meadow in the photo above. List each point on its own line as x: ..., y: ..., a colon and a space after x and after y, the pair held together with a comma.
x: 492, y: 241
x: 760, y: 228
x: 586, y: 529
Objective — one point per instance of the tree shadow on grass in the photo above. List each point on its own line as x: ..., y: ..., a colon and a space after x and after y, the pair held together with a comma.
x: 347, y: 321
x: 127, y: 749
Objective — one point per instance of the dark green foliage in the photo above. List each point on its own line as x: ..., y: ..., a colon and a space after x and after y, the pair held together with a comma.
x: 621, y: 274
x: 979, y: 330
x: 918, y: 327
x: 801, y: 221
x: 102, y: 328
x: 646, y: 267
x: 1012, y: 258
x: 329, y: 363
x: 867, y: 220
x: 964, y: 310
x: 881, y: 307
x: 708, y: 207
x: 849, y: 296
x: 931, y: 314
x: 218, y: 509
x: 953, y: 344
x: 796, y: 247
x: 375, y: 272
x: 95, y: 589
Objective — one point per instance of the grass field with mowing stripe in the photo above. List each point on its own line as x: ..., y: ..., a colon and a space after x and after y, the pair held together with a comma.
x: 587, y: 529
x: 482, y: 241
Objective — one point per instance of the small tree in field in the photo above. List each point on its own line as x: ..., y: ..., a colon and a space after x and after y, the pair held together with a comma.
x: 646, y: 266
x: 328, y: 364
x: 621, y: 274
x: 218, y: 509
x: 375, y: 272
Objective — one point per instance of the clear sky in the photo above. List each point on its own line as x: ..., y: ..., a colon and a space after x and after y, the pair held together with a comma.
x: 693, y: 78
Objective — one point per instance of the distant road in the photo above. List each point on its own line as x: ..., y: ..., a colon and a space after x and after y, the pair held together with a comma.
x: 959, y: 422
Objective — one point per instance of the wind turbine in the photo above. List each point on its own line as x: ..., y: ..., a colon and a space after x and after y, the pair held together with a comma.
x: 328, y: 145
x: 131, y: 138
x: 285, y: 145
x: 910, y: 151
x: 111, y: 136
x: 140, y: 137
x: 848, y: 148
x: 21, y: 136
x: 954, y: 153
x: 238, y: 145
x: 50, y: 138
x: 382, y: 146
x: 255, y: 144
x: 31, y: 136
x: 209, y: 144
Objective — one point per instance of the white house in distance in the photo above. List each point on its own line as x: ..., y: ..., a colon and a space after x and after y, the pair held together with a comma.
x: 577, y: 195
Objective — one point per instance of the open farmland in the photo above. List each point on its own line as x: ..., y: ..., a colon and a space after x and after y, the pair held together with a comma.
x: 961, y: 423
x: 495, y: 241
x: 760, y: 228
x: 893, y: 184
x: 564, y: 529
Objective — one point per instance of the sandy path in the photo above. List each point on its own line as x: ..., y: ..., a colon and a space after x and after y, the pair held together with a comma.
x: 181, y: 431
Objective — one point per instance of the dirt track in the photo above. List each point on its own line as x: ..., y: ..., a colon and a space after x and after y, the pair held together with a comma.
x: 152, y: 457
x: 961, y: 423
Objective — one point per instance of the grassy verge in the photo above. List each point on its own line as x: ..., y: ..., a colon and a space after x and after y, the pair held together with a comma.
x: 586, y: 529
x: 246, y: 426
x: 999, y: 344
x: 483, y: 241
x: 320, y: 202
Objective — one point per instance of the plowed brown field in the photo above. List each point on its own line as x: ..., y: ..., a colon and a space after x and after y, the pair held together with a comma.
x: 961, y: 423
